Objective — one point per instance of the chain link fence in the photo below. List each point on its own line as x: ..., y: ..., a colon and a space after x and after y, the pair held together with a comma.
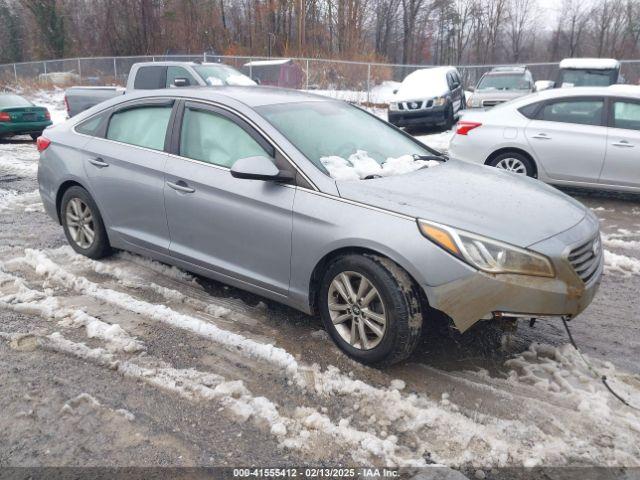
x: 359, y: 82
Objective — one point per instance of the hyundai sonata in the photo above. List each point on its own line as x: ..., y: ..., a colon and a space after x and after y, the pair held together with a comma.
x: 319, y: 205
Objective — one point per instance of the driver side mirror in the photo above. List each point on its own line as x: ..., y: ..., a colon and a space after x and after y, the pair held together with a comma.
x: 259, y: 168
x: 471, y: 89
x: 181, y: 82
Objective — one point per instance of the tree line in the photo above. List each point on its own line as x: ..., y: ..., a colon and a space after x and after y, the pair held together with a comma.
x: 399, y: 31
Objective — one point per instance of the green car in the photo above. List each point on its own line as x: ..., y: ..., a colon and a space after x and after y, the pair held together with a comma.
x: 18, y: 116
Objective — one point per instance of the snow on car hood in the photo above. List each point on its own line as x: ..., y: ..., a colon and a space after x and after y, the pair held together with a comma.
x: 425, y: 83
x: 484, y: 200
x: 360, y: 165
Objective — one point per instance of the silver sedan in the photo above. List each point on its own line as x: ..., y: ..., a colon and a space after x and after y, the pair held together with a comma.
x: 319, y: 205
x: 580, y: 137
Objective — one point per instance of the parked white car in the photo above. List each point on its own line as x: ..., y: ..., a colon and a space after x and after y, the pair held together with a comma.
x: 585, y: 137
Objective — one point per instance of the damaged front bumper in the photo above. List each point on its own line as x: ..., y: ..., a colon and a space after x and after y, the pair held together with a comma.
x: 480, y: 295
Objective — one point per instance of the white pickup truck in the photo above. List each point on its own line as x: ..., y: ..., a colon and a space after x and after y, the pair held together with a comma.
x: 156, y: 75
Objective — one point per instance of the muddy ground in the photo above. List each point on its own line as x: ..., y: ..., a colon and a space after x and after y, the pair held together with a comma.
x: 200, y: 374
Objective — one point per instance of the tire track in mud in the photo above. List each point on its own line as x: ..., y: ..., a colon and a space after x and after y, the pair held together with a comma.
x: 416, y: 423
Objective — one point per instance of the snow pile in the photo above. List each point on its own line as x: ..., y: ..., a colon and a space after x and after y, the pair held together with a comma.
x: 621, y: 263
x: 10, y: 200
x: 276, y: 356
x: 42, y: 303
x: 360, y: 165
x: 14, y: 163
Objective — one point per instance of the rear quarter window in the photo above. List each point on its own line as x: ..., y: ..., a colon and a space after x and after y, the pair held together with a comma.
x: 92, y: 125
x: 530, y: 110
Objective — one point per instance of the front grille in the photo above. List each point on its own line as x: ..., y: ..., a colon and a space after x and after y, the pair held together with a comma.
x: 585, y: 258
x: 412, y: 105
x: 491, y: 103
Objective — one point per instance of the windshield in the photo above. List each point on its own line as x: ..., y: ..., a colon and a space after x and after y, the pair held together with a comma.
x: 504, y: 82
x: 344, y: 141
x: 588, y: 78
x: 10, y: 100
x: 216, y: 75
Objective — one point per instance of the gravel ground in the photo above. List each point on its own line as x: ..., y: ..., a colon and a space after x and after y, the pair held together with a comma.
x: 199, y: 374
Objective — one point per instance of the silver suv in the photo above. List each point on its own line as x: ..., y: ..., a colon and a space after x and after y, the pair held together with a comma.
x: 500, y: 85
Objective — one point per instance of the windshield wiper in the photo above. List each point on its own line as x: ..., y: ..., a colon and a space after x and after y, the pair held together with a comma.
x: 437, y: 157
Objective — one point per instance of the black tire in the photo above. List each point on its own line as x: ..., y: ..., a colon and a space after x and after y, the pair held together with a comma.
x: 34, y: 136
x: 100, y: 246
x: 402, y: 305
x: 530, y: 170
x: 449, y: 118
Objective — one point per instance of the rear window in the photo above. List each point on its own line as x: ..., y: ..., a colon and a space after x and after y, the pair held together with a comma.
x: 149, y: 78
x: 9, y: 100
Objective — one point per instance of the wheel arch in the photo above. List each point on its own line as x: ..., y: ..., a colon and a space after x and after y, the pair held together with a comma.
x: 320, y: 267
x: 64, y: 186
x: 521, y: 151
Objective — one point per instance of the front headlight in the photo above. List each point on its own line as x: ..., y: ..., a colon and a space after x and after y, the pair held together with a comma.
x: 439, y: 101
x: 393, y: 106
x: 486, y: 254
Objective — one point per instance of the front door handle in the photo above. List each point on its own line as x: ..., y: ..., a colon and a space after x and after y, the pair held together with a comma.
x: 98, y: 162
x: 542, y: 136
x: 180, y: 186
x: 623, y: 143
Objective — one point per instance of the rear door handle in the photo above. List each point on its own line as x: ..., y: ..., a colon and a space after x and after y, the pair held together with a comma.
x: 542, y: 136
x: 623, y: 143
x: 180, y: 186
x: 98, y: 162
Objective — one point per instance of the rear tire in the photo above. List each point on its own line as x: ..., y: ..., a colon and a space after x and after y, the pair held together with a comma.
x: 514, y: 162
x: 83, y: 225
x: 394, y: 298
x: 34, y: 136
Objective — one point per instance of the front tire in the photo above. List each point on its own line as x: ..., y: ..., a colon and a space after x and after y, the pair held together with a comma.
x: 514, y: 162
x: 371, y: 309
x: 83, y: 225
x: 449, y: 118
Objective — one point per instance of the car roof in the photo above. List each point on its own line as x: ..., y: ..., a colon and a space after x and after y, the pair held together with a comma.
x: 589, y: 63
x: 507, y: 70
x: 252, y: 96
x: 175, y: 63
x: 613, y: 90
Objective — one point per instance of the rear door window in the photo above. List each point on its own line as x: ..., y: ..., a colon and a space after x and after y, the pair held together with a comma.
x: 578, y: 111
x: 149, y: 78
x: 626, y: 115
x: 143, y: 126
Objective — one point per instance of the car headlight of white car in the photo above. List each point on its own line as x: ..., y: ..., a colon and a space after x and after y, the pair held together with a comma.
x: 486, y: 254
x: 439, y: 101
x: 393, y: 106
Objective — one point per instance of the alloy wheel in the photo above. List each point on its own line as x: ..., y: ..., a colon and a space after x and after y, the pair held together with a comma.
x: 356, y: 310
x: 512, y: 165
x: 80, y: 223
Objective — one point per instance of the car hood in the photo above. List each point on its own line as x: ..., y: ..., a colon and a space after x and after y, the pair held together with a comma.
x: 484, y: 200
